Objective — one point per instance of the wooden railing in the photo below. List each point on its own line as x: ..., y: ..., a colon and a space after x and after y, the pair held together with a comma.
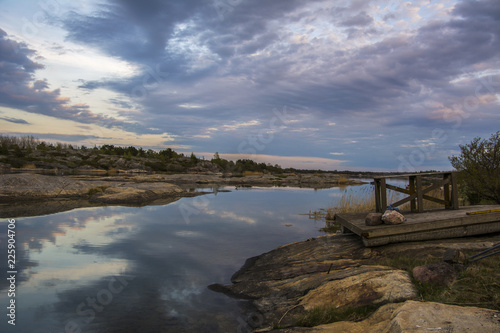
x: 416, y: 192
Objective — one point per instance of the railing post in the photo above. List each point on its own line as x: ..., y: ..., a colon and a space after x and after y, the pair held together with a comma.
x: 383, y: 197
x: 420, y: 196
x: 454, y: 191
x: 447, y: 199
x: 378, y: 209
x: 413, y: 203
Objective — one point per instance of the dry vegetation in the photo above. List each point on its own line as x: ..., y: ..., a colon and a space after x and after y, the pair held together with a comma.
x: 356, y: 201
x: 476, y: 285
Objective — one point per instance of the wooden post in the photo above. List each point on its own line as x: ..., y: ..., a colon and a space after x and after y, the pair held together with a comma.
x: 420, y: 196
x: 378, y: 209
x: 454, y: 191
x: 383, y: 197
x: 447, y: 199
x: 413, y: 203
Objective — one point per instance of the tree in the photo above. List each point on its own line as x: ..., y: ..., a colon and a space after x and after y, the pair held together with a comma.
x: 479, y: 166
x: 193, y: 158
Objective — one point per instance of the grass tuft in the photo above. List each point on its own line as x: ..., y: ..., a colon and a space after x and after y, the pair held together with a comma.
x: 97, y: 189
x: 29, y: 166
x: 476, y: 285
x: 330, y: 314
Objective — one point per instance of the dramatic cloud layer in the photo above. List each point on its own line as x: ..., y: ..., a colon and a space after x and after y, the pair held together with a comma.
x: 336, y: 84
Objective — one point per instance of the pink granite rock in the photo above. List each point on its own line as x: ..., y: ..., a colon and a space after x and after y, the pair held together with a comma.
x: 373, y: 219
x: 393, y: 217
x: 440, y: 273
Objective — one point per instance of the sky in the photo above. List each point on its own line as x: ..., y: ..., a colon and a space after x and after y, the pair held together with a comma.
x: 319, y: 84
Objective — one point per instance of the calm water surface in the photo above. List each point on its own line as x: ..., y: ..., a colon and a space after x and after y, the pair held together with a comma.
x: 129, y: 269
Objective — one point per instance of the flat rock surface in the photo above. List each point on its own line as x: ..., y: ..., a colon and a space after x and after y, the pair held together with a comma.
x: 337, y: 270
x: 300, y: 180
x: 333, y: 269
x: 33, y: 194
x: 413, y: 316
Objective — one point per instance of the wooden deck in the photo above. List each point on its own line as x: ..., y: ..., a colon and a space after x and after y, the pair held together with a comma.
x: 433, y: 224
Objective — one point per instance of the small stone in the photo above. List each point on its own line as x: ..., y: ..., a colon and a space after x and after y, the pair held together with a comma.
x: 452, y: 256
x: 373, y: 219
x: 393, y: 217
x: 440, y: 273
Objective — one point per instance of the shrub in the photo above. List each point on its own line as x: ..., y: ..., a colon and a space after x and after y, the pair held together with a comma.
x: 479, y: 166
x: 97, y: 189
x: 330, y: 314
x: 29, y: 166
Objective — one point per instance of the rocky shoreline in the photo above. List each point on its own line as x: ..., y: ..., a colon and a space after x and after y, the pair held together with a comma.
x: 34, y: 194
x: 22, y: 193
x: 337, y: 271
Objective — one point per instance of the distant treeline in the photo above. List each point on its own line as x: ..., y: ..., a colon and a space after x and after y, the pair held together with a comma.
x: 29, y: 151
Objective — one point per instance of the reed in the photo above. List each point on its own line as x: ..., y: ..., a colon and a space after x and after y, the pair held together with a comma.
x: 355, y: 200
x: 29, y: 166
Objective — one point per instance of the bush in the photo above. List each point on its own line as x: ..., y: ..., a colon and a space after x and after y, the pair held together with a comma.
x: 97, y: 189
x: 4, y: 149
x: 479, y: 166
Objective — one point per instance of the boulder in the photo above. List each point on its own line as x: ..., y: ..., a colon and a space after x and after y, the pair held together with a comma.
x: 368, y: 288
x: 322, y: 271
x: 453, y: 256
x: 440, y: 273
x: 373, y: 219
x: 413, y: 316
x: 430, y: 316
x: 134, y: 193
x: 393, y: 217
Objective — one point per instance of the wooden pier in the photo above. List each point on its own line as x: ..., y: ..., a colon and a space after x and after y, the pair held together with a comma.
x: 421, y: 224
x: 416, y: 191
x: 432, y: 224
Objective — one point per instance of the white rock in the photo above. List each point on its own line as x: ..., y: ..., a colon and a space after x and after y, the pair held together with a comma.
x: 393, y: 217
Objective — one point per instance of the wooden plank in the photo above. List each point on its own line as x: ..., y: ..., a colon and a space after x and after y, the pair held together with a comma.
x: 346, y: 223
x: 412, y: 197
x: 398, y: 189
x: 436, y: 200
x: 484, y: 211
x: 419, y: 222
x: 406, y: 175
x: 453, y: 232
x: 405, y: 200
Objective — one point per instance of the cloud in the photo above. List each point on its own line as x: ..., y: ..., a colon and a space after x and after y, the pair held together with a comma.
x: 14, y: 120
x: 360, y: 20
x: 213, y: 76
x: 211, y: 61
x: 130, y: 30
x: 301, y: 162
x: 19, y: 89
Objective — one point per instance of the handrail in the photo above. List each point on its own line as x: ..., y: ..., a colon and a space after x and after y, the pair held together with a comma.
x: 416, y: 192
